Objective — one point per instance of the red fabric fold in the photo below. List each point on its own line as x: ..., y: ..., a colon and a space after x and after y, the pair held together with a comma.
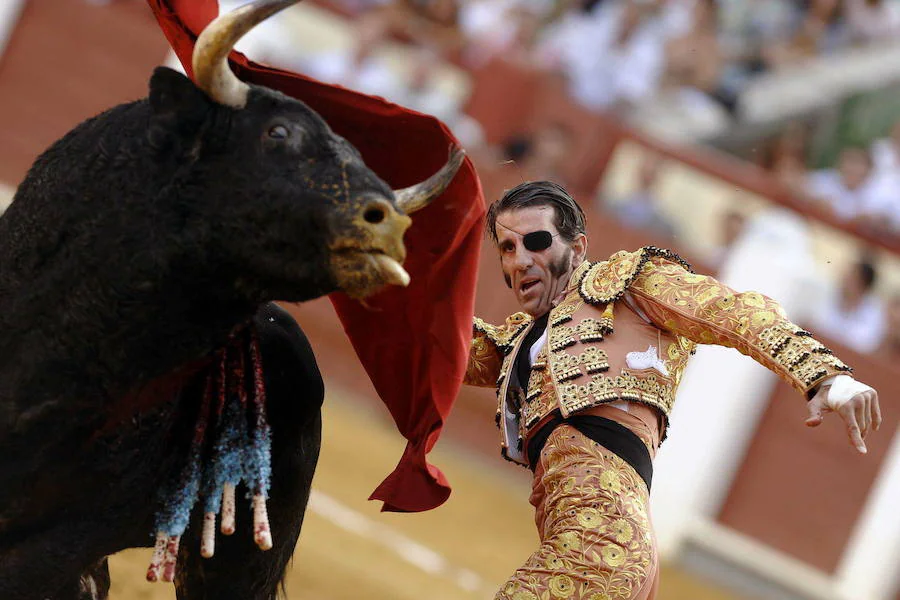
x: 414, y: 341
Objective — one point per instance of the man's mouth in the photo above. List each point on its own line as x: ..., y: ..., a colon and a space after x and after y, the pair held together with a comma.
x: 528, y: 284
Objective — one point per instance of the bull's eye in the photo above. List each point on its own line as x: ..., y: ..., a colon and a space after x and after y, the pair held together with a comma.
x: 278, y: 132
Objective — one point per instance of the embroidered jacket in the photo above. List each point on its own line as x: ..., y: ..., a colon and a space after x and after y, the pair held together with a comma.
x: 584, y: 364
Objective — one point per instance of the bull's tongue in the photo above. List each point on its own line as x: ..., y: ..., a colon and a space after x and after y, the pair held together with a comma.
x: 391, y: 270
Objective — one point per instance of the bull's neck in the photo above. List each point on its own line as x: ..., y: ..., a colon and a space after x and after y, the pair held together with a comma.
x: 114, y: 329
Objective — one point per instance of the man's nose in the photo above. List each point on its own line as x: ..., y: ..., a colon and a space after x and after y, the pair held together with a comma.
x: 523, y: 258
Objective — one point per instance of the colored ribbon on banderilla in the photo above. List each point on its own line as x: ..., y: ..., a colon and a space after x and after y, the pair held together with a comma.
x: 231, y: 445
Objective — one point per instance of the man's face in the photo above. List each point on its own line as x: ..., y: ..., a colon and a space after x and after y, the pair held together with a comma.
x: 536, y: 276
x: 854, y: 167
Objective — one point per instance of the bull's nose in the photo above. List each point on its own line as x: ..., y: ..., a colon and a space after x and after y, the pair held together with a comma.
x: 382, y: 219
x: 376, y: 211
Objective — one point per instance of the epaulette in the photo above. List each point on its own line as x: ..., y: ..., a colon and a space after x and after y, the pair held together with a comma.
x: 606, y: 281
x: 504, y: 336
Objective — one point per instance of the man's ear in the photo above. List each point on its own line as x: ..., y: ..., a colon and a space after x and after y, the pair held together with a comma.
x: 579, y: 249
x: 178, y: 107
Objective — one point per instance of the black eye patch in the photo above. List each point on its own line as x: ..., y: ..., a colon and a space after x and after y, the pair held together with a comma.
x: 537, y: 240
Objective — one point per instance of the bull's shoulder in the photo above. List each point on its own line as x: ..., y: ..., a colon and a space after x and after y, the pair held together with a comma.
x: 287, y: 358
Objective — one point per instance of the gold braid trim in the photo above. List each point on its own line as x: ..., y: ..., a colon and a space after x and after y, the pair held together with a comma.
x: 504, y: 336
x: 606, y: 281
x: 801, y: 355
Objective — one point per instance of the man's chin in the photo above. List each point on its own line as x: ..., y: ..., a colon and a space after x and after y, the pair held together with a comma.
x: 532, y: 309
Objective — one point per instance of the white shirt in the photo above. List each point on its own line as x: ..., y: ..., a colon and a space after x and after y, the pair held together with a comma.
x: 870, y: 198
x: 600, y: 71
x: 860, y: 328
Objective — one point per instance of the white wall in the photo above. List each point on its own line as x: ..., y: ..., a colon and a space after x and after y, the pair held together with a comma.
x: 9, y: 16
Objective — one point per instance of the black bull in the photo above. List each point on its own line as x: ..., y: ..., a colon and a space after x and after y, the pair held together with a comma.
x: 135, y: 247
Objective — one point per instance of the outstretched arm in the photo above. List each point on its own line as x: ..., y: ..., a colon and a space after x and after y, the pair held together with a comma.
x: 706, y: 311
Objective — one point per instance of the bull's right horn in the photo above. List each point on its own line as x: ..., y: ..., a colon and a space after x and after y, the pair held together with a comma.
x: 418, y: 196
x: 211, y: 71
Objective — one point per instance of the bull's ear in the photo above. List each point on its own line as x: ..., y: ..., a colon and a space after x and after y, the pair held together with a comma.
x: 177, y: 106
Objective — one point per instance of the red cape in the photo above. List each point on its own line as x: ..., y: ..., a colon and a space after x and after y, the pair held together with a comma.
x: 413, y: 342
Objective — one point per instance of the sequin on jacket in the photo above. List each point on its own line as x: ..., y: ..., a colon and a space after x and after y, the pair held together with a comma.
x: 584, y: 364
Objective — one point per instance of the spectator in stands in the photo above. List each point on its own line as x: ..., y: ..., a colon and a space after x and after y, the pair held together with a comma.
x: 420, y: 91
x: 542, y: 155
x: 613, y: 58
x: 785, y: 157
x: 676, y: 17
x: 822, y: 30
x: 500, y: 28
x: 731, y: 225
x: 694, y: 59
x: 872, y: 20
x: 361, y: 68
x: 640, y: 209
x: 850, y: 191
x: 432, y: 24
x: 886, y: 151
x: 748, y: 28
x: 853, y: 314
x: 890, y: 345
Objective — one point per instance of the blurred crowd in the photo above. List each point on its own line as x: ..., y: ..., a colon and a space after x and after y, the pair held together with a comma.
x: 615, y: 54
x: 610, y: 55
x: 861, y: 188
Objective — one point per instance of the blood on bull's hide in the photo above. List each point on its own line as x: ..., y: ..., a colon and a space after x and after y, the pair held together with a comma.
x: 138, y: 262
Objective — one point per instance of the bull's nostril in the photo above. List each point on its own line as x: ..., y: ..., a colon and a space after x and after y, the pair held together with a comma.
x: 374, y: 215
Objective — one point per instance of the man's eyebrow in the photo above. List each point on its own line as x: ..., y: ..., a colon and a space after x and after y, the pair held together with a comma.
x: 508, y: 228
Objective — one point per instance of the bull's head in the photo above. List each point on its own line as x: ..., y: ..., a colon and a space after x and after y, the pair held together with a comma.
x: 292, y: 203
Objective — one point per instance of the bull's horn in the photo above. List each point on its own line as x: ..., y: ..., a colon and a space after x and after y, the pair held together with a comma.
x: 417, y: 196
x: 210, y: 60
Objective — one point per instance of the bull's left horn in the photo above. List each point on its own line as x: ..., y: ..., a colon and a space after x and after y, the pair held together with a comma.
x: 417, y: 196
x: 210, y: 60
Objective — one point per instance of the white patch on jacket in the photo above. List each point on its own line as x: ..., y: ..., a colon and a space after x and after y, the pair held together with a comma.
x: 648, y: 359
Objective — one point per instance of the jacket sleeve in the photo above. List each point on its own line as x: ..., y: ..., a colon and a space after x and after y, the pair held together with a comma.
x: 706, y: 311
x: 485, y: 358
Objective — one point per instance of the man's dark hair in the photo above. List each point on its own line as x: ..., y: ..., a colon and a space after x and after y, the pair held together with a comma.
x: 568, y: 216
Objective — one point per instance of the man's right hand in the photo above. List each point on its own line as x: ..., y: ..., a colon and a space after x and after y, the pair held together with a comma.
x: 855, y: 402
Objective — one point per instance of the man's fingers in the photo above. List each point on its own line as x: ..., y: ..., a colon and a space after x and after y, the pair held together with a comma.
x: 814, y: 419
x: 857, y: 406
x: 876, y: 409
x: 852, y: 414
x: 862, y: 416
x: 853, y: 432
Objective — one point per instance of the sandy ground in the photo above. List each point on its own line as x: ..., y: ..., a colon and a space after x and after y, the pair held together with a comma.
x: 349, y: 550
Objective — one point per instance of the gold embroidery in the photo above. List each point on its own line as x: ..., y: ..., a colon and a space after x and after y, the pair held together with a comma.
x: 503, y: 336
x: 606, y: 281
x: 565, y: 366
x: 590, y: 330
x: 504, y: 369
x: 568, y: 306
x: 561, y: 338
x: 606, y: 319
x: 594, y: 360
x: 799, y: 354
x: 484, y: 362
x: 596, y: 542
x: 535, y: 381
x: 541, y: 399
x: 649, y: 388
x: 703, y: 310
x: 540, y: 361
